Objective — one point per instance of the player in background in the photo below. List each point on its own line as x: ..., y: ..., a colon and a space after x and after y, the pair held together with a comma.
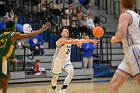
x: 128, y: 32
x: 7, y: 46
x: 61, y: 59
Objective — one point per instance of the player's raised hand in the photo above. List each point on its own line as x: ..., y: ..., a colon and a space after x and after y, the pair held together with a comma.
x: 46, y: 26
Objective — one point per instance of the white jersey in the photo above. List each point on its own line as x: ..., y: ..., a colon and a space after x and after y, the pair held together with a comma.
x: 133, y: 33
x: 63, y: 53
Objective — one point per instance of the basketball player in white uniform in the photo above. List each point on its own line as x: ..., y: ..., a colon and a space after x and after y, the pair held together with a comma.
x: 61, y: 60
x: 129, y: 33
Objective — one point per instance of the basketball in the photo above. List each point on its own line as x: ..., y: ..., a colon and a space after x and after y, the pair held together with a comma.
x: 98, y: 31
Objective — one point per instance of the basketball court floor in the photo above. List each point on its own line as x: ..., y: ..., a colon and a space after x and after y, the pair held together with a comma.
x: 80, y: 86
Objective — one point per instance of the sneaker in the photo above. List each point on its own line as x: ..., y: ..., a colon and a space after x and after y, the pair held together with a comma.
x: 54, y: 90
x: 62, y: 91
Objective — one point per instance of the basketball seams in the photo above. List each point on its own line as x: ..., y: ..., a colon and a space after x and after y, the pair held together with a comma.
x: 98, y: 32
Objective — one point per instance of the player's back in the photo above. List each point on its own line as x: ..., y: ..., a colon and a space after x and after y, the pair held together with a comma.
x: 63, y: 53
x: 6, y: 47
x: 133, y: 33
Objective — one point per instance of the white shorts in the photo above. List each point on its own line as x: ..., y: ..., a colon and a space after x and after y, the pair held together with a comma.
x: 131, y: 61
x: 58, y: 66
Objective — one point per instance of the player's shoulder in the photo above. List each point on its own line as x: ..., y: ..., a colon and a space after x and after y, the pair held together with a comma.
x: 59, y: 42
x: 125, y: 16
x: 128, y: 13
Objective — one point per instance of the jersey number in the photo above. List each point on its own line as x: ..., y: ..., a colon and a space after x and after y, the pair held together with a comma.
x: 3, y: 43
x: 68, y: 51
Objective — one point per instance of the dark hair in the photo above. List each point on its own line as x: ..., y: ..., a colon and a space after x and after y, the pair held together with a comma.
x: 10, y: 25
x: 61, y: 29
x: 128, y: 4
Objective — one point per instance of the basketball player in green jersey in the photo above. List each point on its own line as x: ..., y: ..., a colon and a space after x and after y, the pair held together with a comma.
x: 7, y: 45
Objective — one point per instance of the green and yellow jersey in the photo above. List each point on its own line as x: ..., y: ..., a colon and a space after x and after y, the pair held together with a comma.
x: 6, y: 50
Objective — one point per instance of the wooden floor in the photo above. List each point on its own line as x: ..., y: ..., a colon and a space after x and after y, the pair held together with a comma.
x: 75, y: 87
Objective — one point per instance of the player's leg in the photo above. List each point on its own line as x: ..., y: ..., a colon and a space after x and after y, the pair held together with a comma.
x: 54, y: 81
x: 70, y: 72
x: 85, y: 62
x: 127, y: 68
x: 118, y: 79
x: 138, y: 79
x: 56, y: 70
x: 135, y: 63
x: 14, y: 63
x: 4, y: 74
x: 4, y: 83
x: 121, y: 75
x: 136, y: 70
x: 0, y: 83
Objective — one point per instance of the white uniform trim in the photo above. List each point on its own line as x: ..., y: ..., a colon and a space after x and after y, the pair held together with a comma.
x: 4, y: 67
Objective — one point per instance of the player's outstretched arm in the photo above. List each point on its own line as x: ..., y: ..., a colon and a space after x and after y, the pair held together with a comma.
x: 17, y: 35
x: 89, y: 41
x: 79, y: 42
x: 61, y: 41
